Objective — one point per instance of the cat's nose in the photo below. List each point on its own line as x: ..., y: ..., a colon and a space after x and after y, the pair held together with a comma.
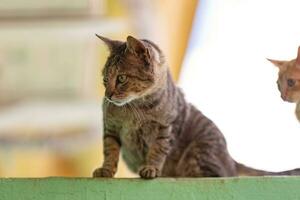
x: 109, y: 94
x: 284, y: 97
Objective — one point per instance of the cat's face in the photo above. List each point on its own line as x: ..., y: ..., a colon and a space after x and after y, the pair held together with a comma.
x: 131, y: 71
x: 289, y: 78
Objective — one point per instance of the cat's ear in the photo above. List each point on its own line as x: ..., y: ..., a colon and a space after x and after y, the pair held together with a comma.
x: 137, y: 48
x: 277, y: 63
x: 111, y: 44
x: 298, y: 58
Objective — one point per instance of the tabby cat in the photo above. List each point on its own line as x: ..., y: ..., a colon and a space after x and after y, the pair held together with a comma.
x: 145, y: 114
x: 289, y: 80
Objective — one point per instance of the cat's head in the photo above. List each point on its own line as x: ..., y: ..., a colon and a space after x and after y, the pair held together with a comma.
x: 289, y: 78
x: 134, y: 69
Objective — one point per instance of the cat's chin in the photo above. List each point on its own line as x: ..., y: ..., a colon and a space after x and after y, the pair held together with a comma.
x: 120, y: 102
x: 288, y: 100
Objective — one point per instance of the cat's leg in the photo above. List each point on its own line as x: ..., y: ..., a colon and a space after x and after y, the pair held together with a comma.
x: 111, y: 158
x: 199, y: 161
x: 156, y: 155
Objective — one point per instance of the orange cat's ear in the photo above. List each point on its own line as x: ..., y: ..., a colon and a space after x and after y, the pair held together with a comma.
x: 277, y: 63
x: 111, y: 44
x: 298, y: 58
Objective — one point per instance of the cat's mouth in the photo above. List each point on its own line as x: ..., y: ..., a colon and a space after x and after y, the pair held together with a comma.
x: 285, y: 98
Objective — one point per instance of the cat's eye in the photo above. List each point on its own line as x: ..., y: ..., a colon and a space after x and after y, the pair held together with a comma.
x: 291, y: 82
x: 105, y: 79
x: 122, y: 78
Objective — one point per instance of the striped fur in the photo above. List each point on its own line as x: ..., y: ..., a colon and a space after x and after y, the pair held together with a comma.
x: 160, y: 134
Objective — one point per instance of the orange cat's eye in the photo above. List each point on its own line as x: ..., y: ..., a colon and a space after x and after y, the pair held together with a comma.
x: 122, y: 78
x: 291, y: 82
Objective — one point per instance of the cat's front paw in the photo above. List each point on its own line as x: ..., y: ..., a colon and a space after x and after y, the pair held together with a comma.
x: 148, y: 172
x: 103, y: 172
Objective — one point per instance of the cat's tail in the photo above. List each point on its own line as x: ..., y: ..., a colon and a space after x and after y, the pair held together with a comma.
x: 248, y: 171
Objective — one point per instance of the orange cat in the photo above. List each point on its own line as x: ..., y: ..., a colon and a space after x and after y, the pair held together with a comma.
x: 289, y: 80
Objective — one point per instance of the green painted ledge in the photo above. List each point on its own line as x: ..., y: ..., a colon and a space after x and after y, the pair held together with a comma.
x: 255, y: 188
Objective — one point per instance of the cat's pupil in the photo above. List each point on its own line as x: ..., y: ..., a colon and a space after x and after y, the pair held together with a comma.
x: 122, y: 78
x: 291, y: 82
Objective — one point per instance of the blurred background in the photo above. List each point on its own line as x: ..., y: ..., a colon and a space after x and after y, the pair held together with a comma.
x: 50, y: 76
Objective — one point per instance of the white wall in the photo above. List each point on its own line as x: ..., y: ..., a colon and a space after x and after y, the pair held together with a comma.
x: 226, y: 75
